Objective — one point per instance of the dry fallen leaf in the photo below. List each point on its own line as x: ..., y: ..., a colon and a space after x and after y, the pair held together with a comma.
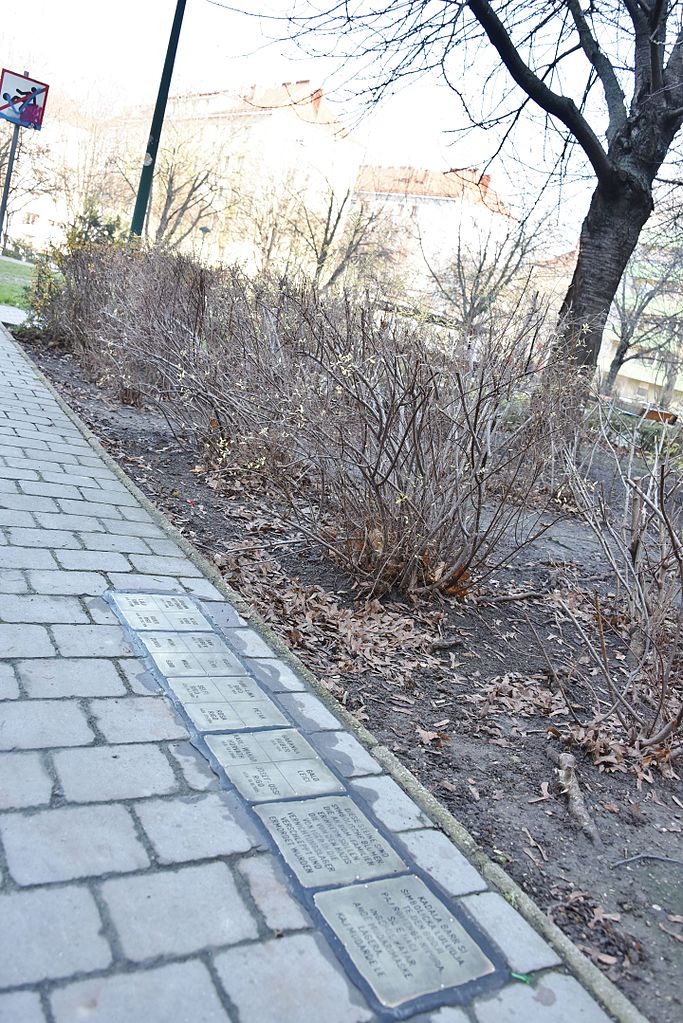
x: 545, y: 793
x: 673, y: 934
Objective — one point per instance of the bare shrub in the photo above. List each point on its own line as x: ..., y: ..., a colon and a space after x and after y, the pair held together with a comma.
x: 626, y: 664
x: 415, y: 460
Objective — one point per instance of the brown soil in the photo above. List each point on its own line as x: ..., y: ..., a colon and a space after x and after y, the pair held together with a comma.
x: 457, y: 691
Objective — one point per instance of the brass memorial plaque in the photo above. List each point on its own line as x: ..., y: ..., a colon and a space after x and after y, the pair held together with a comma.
x: 402, y: 939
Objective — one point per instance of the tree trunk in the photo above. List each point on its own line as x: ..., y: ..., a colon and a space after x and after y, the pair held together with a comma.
x: 608, y: 237
x: 670, y: 377
x: 616, y: 364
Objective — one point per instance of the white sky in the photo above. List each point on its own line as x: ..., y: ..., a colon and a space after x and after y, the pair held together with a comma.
x: 112, y: 51
x: 107, y: 53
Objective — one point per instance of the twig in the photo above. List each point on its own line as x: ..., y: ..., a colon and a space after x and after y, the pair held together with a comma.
x: 647, y: 856
x: 577, y: 806
x: 505, y: 598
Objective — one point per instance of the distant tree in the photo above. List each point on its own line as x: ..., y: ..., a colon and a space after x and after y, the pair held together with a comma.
x: 647, y: 309
x: 343, y: 237
x: 487, y: 274
x: 32, y: 175
x: 187, y: 190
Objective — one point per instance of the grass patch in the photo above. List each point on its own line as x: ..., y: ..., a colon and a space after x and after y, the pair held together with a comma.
x: 15, y: 279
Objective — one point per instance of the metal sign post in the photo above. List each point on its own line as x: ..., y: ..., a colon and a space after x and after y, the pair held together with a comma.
x: 6, y: 186
x: 22, y: 103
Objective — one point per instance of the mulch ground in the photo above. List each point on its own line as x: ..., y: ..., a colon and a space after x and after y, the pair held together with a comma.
x: 459, y: 692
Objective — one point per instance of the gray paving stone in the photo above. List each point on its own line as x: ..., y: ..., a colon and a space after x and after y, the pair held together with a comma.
x: 390, y: 804
x: 15, y: 518
x: 43, y: 463
x: 524, y: 949
x: 88, y: 508
x: 439, y: 858
x: 49, y: 490
x: 70, y: 479
x: 157, y: 565
x: 194, y: 766
x: 103, y: 774
x: 23, y: 781
x: 222, y: 614
x: 555, y: 998
x: 247, y: 643
x: 92, y: 467
x: 41, y: 608
x: 309, y: 712
x: 92, y: 561
x: 66, y: 919
x: 9, y: 690
x: 150, y: 583
x: 276, y: 675
x: 100, y: 611
x: 202, y: 588
x: 40, y: 724
x: 26, y: 557
x: 165, y: 547
x: 70, y: 842
x: 20, y: 502
x: 21, y: 1007
x: 45, y: 538
x: 117, y: 498
x: 114, y: 542
x: 179, y: 993
x: 25, y: 641
x: 143, y: 529
x: 350, y: 758
x: 197, y: 827
x: 45, y: 457
x: 184, y: 911
x: 140, y: 680
x: 12, y: 581
x: 269, y: 891
x: 84, y: 640
x: 137, y: 719
x: 280, y: 981
x: 57, y: 520
x: 59, y: 677
x: 449, y: 1015
x: 135, y: 513
x: 7, y: 472
x: 68, y: 582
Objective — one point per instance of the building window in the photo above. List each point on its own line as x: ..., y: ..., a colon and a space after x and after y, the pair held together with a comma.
x: 30, y: 218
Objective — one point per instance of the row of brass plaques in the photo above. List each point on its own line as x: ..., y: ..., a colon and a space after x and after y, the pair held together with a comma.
x: 399, y: 935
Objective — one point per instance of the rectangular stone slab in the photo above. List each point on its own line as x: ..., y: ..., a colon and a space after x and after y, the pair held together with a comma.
x: 191, y: 654
x: 228, y: 714
x: 221, y: 704
x: 329, y: 841
x: 215, y: 690
x: 152, y: 602
x: 272, y: 765
x: 402, y: 939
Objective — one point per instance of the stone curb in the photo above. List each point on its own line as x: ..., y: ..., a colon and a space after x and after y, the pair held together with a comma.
x: 595, y: 982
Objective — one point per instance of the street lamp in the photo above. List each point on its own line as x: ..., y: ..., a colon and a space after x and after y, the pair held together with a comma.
x: 147, y: 173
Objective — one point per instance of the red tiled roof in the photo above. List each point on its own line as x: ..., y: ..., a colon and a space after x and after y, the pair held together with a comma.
x: 307, y: 102
x: 457, y: 183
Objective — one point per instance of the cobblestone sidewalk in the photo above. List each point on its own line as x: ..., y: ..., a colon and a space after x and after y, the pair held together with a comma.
x: 136, y: 883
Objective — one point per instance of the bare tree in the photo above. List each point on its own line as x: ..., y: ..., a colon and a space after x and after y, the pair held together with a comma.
x: 577, y: 67
x: 343, y: 236
x: 647, y: 308
x: 486, y: 277
x: 32, y: 175
x: 188, y: 188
